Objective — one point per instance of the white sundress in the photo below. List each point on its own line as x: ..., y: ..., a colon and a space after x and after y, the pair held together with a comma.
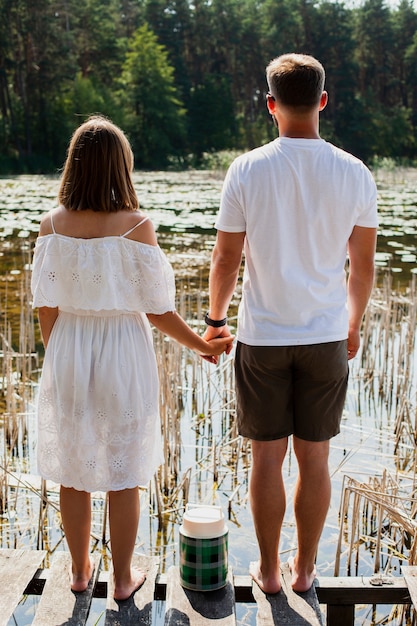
x: 98, y: 405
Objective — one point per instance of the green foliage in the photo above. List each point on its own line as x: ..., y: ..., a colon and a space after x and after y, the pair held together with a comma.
x: 154, y: 117
x: 211, y: 119
x: 187, y: 80
x: 218, y: 160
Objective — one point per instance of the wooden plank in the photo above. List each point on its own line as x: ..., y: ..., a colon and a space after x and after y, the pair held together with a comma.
x: 138, y: 608
x: 17, y: 568
x: 287, y: 606
x: 340, y: 615
x: 60, y: 605
x: 350, y: 590
x: 243, y: 588
x: 198, y: 608
x: 410, y: 575
x: 330, y: 590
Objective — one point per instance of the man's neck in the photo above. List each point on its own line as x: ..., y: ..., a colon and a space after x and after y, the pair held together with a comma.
x: 299, y: 127
x: 296, y: 135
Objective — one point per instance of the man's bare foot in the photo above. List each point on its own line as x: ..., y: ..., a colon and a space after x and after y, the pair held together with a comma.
x: 302, y: 581
x: 268, y: 584
x: 80, y: 580
x: 124, y: 591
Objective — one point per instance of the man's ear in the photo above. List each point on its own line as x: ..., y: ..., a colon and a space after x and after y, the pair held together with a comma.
x: 270, y: 103
x: 323, y: 100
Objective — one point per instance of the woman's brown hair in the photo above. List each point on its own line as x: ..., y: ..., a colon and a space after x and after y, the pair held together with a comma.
x: 98, y: 168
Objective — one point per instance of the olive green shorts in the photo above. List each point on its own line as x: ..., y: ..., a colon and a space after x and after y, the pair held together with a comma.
x: 291, y: 390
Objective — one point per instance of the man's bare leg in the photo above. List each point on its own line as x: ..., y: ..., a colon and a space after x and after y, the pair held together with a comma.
x: 311, y: 504
x: 267, y: 498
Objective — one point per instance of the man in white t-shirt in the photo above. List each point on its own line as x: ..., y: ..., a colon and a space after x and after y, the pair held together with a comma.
x: 298, y: 207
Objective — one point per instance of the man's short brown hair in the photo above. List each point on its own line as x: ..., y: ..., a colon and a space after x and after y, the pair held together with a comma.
x: 296, y: 80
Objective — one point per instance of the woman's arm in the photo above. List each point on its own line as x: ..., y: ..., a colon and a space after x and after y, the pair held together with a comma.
x: 47, y: 319
x: 174, y: 326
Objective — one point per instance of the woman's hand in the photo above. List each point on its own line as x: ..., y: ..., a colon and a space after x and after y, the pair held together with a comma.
x: 213, y: 334
x: 218, y: 345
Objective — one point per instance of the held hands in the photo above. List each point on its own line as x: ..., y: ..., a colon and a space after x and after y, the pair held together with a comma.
x: 218, y: 340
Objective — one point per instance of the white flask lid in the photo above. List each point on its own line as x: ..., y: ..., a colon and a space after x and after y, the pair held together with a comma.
x: 203, y: 521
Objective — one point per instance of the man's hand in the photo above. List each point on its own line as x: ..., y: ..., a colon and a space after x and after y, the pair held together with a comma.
x: 353, y: 343
x: 215, y: 333
x: 361, y: 249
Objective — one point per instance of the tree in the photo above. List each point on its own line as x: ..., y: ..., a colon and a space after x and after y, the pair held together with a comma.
x: 36, y: 61
x: 404, y: 25
x: 237, y: 55
x: 99, y: 49
x: 334, y: 46
x: 211, y: 119
x: 375, y: 45
x: 154, y: 116
x: 189, y: 77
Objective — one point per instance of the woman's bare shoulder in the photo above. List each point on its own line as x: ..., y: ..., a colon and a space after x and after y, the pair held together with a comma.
x: 143, y: 229
x: 45, y: 226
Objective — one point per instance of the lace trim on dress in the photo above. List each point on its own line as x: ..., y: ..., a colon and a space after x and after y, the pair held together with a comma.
x: 111, y: 273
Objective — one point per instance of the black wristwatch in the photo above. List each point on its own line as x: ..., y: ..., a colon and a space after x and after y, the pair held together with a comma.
x: 215, y: 323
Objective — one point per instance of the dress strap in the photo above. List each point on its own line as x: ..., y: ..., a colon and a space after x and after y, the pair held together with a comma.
x: 135, y: 226
x: 52, y: 224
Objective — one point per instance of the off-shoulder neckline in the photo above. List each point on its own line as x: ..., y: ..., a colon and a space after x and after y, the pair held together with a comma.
x: 97, y: 239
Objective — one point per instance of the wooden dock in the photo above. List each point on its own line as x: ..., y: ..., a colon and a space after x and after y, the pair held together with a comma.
x: 331, y: 601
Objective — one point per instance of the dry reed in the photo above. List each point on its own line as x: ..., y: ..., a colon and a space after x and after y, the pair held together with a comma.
x: 378, y: 518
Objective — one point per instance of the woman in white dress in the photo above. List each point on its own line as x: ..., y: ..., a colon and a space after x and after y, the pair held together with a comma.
x: 98, y: 277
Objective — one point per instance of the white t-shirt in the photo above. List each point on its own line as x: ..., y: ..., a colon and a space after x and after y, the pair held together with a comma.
x: 298, y: 201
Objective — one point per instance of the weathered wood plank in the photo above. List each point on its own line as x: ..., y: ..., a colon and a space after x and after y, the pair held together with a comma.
x: 198, y: 608
x: 410, y: 575
x: 20, y: 574
x: 138, y: 608
x: 17, y: 568
x: 287, y: 606
x: 60, y: 605
x: 330, y: 590
x: 349, y: 590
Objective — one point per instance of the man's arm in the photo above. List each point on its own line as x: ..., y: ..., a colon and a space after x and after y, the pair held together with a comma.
x: 361, y: 251
x: 224, y: 271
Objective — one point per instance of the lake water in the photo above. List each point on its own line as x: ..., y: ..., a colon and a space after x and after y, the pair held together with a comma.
x: 183, y: 208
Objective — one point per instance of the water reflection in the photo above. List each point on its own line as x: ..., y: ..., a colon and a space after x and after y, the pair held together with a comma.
x: 183, y: 206
x: 397, y: 199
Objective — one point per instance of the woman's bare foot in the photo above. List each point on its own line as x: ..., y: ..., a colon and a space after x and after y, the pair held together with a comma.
x: 301, y: 581
x: 80, y: 580
x: 268, y: 584
x: 123, y: 591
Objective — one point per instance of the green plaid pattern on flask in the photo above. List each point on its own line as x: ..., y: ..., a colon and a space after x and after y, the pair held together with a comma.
x: 203, y: 562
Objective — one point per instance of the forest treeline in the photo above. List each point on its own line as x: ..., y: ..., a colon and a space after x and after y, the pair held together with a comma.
x: 186, y: 78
